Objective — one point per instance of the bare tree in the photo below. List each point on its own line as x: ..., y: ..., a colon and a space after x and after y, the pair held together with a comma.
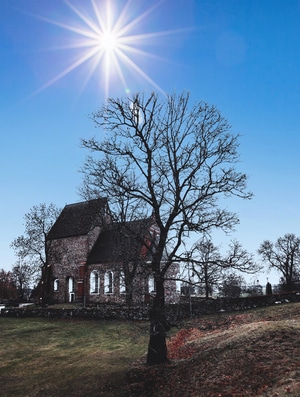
x: 32, y: 247
x: 8, y: 288
x: 232, y: 285
x: 206, y: 267
x: 23, y: 275
x: 284, y: 256
x: 209, y: 265
x: 238, y: 258
x: 176, y: 160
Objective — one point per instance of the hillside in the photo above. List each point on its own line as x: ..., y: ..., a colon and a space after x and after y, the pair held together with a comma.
x: 249, y: 354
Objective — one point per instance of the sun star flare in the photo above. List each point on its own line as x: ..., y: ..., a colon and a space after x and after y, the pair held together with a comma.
x: 109, y: 42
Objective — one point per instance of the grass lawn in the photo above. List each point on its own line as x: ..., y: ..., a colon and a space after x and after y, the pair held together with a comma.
x: 41, y: 357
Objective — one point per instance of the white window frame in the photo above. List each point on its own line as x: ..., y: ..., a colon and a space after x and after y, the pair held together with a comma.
x: 122, y: 283
x: 56, y: 285
x: 109, y: 282
x: 71, y: 289
x: 151, y: 284
x: 94, y: 283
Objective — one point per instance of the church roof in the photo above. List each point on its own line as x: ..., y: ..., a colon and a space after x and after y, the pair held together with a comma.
x: 121, y: 241
x: 78, y: 219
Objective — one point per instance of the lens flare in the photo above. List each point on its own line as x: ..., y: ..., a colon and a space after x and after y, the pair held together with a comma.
x: 110, y: 41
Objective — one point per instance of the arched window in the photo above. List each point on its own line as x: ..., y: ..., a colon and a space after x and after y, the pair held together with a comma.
x: 70, y: 286
x: 94, y: 282
x: 56, y: 285
x: 108, y: 282
x: 151, y: 284
x: 122, y: 283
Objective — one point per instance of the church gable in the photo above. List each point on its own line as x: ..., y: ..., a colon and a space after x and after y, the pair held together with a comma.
x: 79, y: 219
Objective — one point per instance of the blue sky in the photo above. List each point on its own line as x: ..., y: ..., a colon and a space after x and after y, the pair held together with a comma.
x: 241, y: 55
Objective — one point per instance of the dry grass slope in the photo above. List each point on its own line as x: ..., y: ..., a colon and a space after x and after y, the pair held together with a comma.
x: 254, y: 354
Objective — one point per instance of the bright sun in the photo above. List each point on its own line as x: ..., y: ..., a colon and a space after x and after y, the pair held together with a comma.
x: 108, y: 42
x: 107, y: 39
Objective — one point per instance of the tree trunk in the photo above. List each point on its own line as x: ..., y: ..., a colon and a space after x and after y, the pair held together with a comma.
x: 47, y: 284
x: 21, y: 292
x: 206, y: 283
x: 157, y: 349
x: 129, y: 288
x: 128, y: 298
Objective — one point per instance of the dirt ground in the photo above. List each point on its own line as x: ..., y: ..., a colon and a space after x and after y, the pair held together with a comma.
x: 249, y: 354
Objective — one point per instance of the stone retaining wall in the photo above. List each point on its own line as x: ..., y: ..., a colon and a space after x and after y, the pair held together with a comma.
x: 175, y: 312
x: 105, y: 312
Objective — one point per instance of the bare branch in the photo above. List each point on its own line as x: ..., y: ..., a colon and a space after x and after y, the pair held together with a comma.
x: 175, y: 160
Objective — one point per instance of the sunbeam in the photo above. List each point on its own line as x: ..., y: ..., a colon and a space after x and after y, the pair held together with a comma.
x: 109, y: 41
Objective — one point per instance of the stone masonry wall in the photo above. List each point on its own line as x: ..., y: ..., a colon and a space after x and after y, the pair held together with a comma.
x: 72, y: 252
x: 141, y: 293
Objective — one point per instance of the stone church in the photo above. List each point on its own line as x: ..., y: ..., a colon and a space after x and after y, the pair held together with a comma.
x: 91, y: 259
